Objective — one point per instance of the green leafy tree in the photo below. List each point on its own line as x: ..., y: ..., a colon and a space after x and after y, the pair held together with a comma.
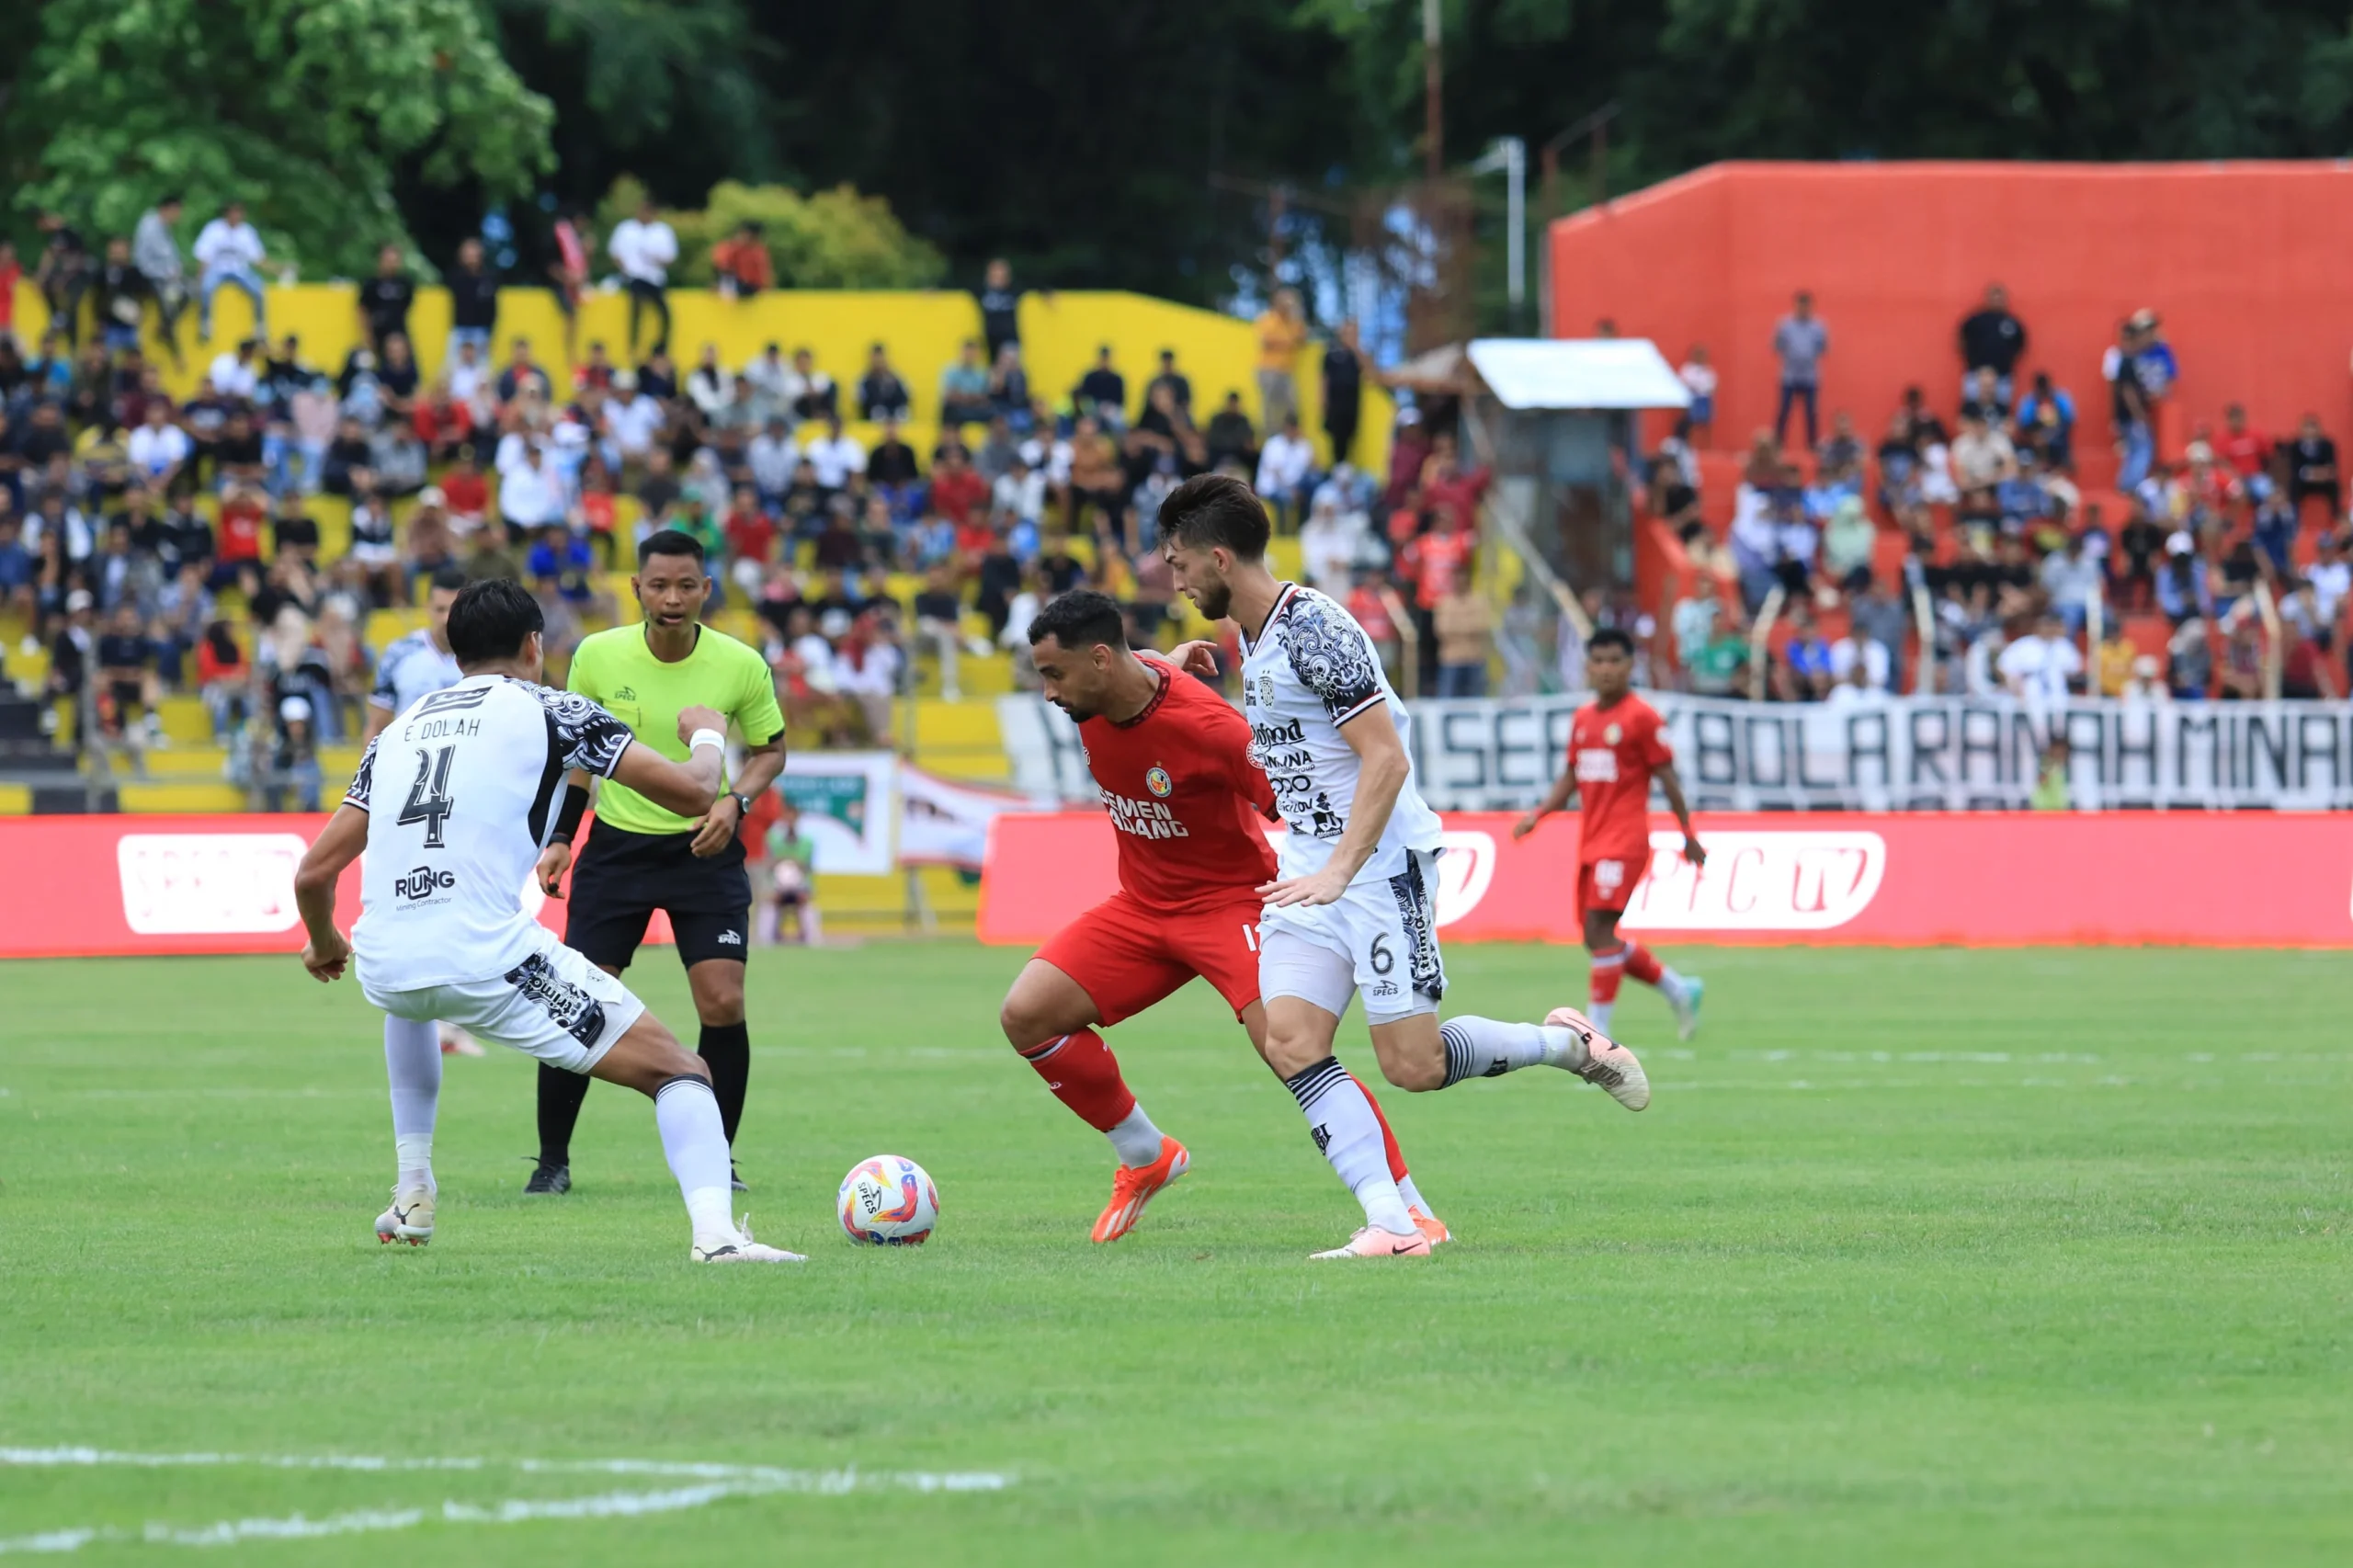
x: 305, y: 109
x: 828, y: 239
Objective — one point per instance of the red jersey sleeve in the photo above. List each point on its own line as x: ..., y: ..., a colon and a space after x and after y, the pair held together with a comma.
x: 1650, y: 739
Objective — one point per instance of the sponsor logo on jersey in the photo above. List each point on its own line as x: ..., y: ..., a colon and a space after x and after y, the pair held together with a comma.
x: 1146, y: 819
x: 1156, y: 779
x: 423, y: 882
x: 1286, y: 733
x: 455, y: 697
x: 1596, y: 764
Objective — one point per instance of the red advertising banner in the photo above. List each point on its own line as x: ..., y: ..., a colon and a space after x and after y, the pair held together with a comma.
x: 82, y: 886
x: 1899, y: 880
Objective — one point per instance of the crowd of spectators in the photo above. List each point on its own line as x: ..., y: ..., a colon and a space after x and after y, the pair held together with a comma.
x: 2204, y: 569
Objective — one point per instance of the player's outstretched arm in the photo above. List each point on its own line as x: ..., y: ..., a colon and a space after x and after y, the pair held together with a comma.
x: 326, y: 953
x: 1383, y: 769
x: 1564, y: 790
x: 687, y: 788
x: 1673, y: 786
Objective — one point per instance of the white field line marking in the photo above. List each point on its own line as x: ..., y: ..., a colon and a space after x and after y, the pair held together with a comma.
x: 716, y: 1482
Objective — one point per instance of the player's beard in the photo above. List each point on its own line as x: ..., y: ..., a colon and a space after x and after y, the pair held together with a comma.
x: 1214, y: 601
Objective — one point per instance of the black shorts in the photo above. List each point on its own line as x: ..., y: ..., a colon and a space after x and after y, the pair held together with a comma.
x: 621, y: 878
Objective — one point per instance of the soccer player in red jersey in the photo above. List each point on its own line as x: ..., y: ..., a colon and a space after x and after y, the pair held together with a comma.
x: 1169, y: 755
x: 1617, y: 745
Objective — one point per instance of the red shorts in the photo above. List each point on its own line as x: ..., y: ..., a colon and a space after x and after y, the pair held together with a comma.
x: 1126, y: 956
x: 1609, y: 884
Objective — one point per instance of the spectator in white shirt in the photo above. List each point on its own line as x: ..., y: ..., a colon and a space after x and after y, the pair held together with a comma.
x: 529, y: 493
x: 1021, y: 490
x: 2330, y: 578
x: 771, y: 457
x: 229, y: 252
x: 2071, y: 578
x: 1328, y: 546
x: 157, y: 448
x: 1284, y: 464
x: 633, y: 418
x: 711, y: 387
x: 2037, y: 668
x: 643, y: 247
x: 470, y: 381
x: 235, y: 373
x: 835, y: 456
x: 767, y: 388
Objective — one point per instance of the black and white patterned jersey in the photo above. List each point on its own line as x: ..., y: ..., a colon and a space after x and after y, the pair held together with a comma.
x: 461, y: 793
x: 412, y: 669
x: 1310, y: 671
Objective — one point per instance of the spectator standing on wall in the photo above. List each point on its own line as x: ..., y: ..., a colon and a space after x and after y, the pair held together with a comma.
x: 384, y: 299
x: 1000, y: 303
x: 644, y: 247
x: 1993, y: 339
x: 742, y: 263
x: 1343, y: 391
x: 473, y: 303
x: 1698, y: 379
x: 1282, y: 332
x: 157, y: 251
x: 1799, y: 342
x: 229, y: 250
x: 2128, y: 409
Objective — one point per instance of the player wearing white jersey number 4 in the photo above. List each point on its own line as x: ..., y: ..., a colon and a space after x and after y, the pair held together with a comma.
x: 1353, y: 911
x: 442, y: 933
x: 412, y: 668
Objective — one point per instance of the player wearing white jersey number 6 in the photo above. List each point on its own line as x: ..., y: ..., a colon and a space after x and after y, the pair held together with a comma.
x: 442, y: 933
x: 1353, y: 909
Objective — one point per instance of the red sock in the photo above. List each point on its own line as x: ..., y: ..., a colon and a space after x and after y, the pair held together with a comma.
x: 1397, y: 1171
x: 1608, y: 966
x: 1084, y: 1076
x: 1641, y: 965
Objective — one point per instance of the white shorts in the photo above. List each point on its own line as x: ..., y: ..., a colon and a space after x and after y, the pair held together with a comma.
x: 554, y: 1005
x: 1378, y: 941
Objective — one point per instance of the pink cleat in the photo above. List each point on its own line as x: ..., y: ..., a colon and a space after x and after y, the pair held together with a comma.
x: 1374, y: 1242
x: 1607, y: 1063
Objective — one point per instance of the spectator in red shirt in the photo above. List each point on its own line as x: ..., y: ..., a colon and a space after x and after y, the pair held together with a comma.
x: 1443, y: 559
x: 442, y: 423
x: 2246, y: 448
x: 1448, y: 488
x: 750, y: 538
x: 957, y: 488
x: 238, y: 559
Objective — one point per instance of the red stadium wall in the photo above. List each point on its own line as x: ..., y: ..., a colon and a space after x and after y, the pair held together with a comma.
x: 1919, y: 880
x: 2249, y: 263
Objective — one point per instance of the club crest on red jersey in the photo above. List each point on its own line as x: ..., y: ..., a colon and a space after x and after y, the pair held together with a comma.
x: 1156, y: 779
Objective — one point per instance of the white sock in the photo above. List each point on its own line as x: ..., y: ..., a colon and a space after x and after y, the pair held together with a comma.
x: 1599, y: 1013
x: 1136, y: 1139
x: 1411, y: 1194
x: 412, y: 1067
x: 1488, y: 1048
x: 1341, y: 1120
x: 694, y: 1142
x: 1669, y: 982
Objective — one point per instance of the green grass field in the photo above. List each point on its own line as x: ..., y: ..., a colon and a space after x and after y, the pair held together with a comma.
x: 1920, y: 1258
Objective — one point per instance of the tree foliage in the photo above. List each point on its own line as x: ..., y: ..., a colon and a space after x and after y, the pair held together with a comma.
x: 828, y: 239
x: 304, y: 108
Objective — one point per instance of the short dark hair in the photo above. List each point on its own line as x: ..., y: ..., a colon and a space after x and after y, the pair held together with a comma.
x: 490, y: 620
x: 1616, y: 637
x: 449, y: 574
x: 1213, y: 509
x: 1081, y: 618
x: 668, y: 541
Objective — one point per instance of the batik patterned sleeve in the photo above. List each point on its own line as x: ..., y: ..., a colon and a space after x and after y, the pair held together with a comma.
x: 1330, y: 655
x: 589, y: 737
x: 364, y: 780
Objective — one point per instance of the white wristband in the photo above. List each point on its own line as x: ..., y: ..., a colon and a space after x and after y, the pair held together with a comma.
x: 707, y: 738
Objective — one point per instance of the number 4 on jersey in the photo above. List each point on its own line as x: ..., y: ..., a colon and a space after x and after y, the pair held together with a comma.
x: 432, y: 808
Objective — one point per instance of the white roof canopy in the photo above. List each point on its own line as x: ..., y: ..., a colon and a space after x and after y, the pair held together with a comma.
x: 1589, y: 372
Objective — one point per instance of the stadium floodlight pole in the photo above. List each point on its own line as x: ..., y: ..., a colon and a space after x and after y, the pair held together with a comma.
x: 1509, y: 155
x: 1433, y: 89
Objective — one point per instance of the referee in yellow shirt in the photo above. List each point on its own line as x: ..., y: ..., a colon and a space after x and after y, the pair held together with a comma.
x: 640, y: 858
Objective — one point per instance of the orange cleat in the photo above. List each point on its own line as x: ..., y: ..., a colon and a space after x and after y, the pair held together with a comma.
x: 1433, y: 1228
x: 1134, y: 1186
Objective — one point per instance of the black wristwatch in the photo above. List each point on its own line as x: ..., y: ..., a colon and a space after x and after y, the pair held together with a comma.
x: 742, y: 805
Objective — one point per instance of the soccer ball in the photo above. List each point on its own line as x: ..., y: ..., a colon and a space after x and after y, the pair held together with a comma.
x: 888, y: 1201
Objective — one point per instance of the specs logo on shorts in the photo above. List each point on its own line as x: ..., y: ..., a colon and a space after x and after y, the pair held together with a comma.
x: 729, y: 939
x: 423, y: 882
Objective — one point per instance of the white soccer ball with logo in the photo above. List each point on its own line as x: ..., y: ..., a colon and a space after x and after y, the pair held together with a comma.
x: 888, y: 1200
